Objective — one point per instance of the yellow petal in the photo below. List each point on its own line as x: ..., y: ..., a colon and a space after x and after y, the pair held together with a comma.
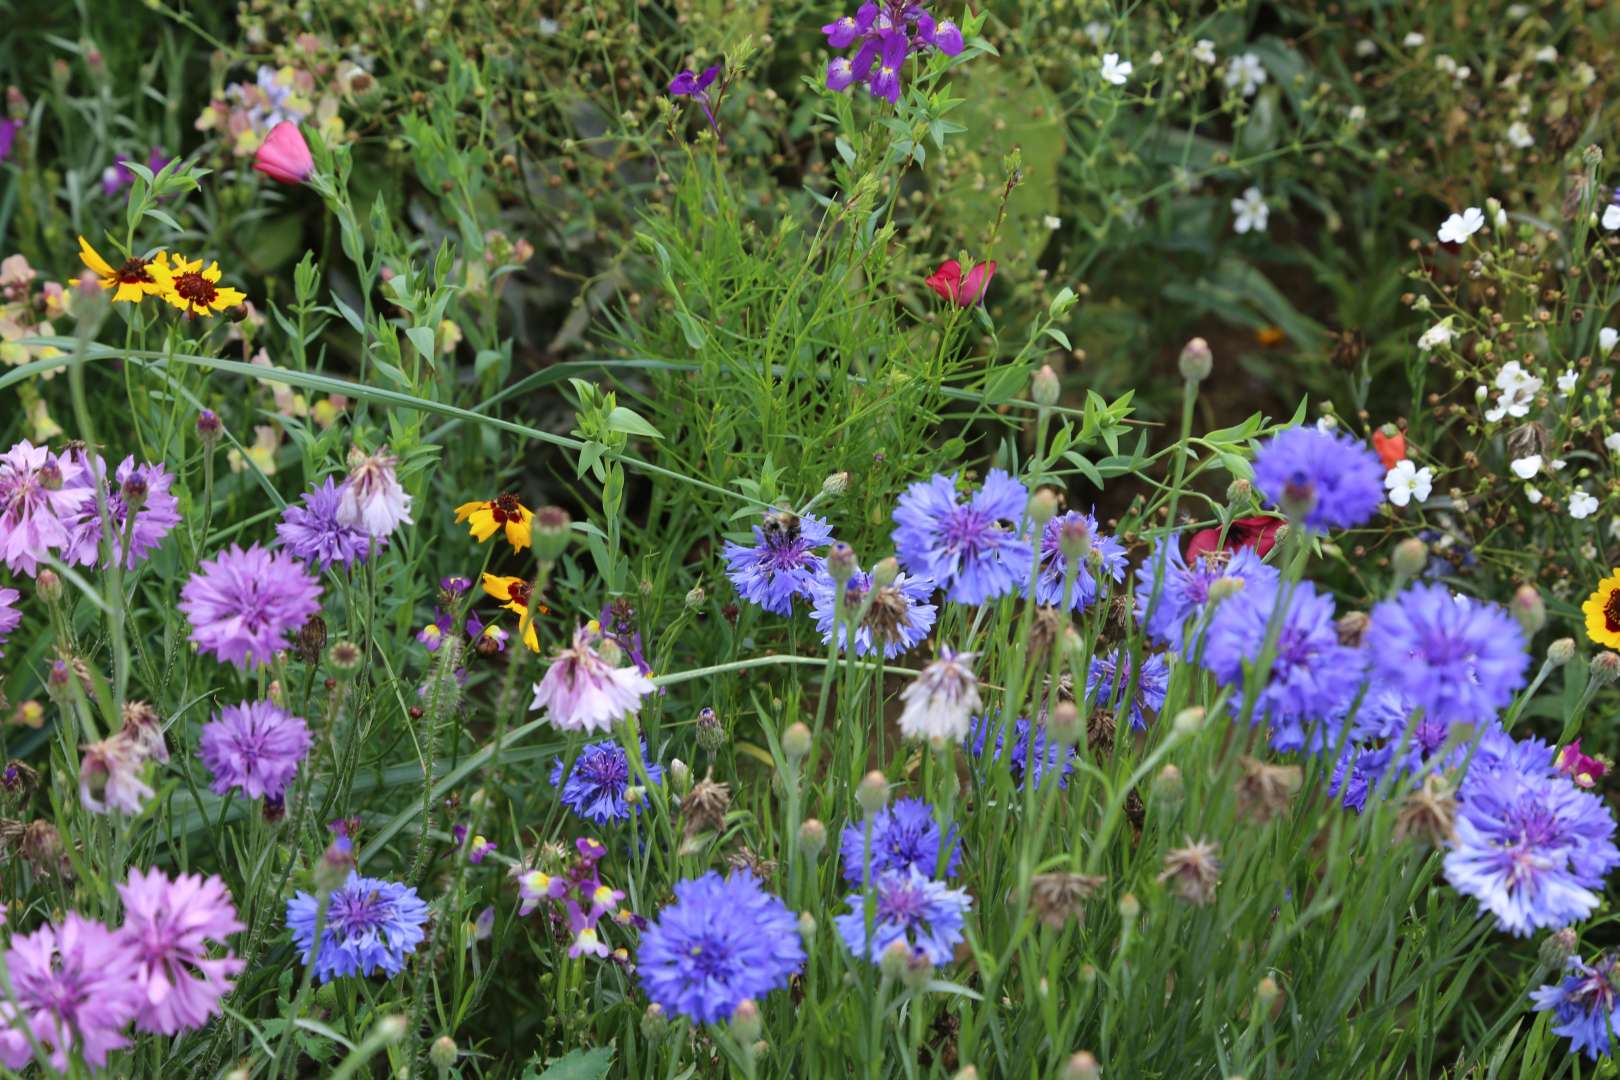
x: 93, y: 259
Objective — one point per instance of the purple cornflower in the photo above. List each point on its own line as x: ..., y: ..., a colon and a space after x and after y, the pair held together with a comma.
x: 887, y: 33
x: 927, y: 916
x: 1184, y: 593
x: 723, y: 941
x: 596, y: 784
x: 1313, y: 677
x: 371, y: 925
x: 1027, y: 741
x: 903, y: 835
x: 972, y: 550
x: 312, y: 531
x: 1530, y: 846
x: 10, y: 617
x: 76, y: 988
x: 1458, y: 658
x: 170, y: 924
x: 1585, y: 1005
x: 254, y: 747
x: 143, y: 490
x: 1109, y: 677
x: 243, y: 603
x: 696, y: 87
x: 781, y: 563
x: 1327, y: 480
x: 898, y: 618
x: 1105, y: 555
x: 40, y: 493
x: 117, y: 176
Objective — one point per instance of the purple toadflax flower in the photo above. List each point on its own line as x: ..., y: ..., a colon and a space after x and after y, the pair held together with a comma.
x: 973, y: 549
x: 581, y: 691
x: 76, y: 988
x: 1585, y: 1005
x: 1458, y: 658
x: 926, y: 916
x: 903, y: 835
x: 1183, y: 592
x: 723, y: 941
x: 118, y: 175
x: 254, y: 748
x: 782, y: 562
x: 10, y: 617
x: 310, y: 530
x: 142, y: 490
x: 40, y: 495
x: 1313, y: 676
x: 1105, y: 555
x: 885, y: 34
x: 897, y: 619
x: 242, y: 603
x: 1324, y: 479
x: 596, y: 784
x: 696, y: 87
x: 170, y: 924
x: 1109, y: 677
x: 371, y: 925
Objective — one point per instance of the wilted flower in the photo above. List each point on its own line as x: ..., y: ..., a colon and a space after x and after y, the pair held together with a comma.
x: 941, y: 701
x: 371, y: 499
x: 581, y: 692
x: 1192, y: 872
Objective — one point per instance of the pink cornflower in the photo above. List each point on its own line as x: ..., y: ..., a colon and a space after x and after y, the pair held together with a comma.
x: 39, y: 494
x: 242, y: 604
x: 9, y: 615
x: 372, y: 499
x: 582, y: 692
x: 284, y: 155
x: 170, y: 924
x: 75, y: 990
x: 110, y: 777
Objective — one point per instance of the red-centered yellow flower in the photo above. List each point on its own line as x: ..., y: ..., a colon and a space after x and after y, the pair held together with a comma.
x: 513, y: 593
x: 502, y: 512
x: 133, y: 280
x: 191, y: 288
x: 1602, y: 610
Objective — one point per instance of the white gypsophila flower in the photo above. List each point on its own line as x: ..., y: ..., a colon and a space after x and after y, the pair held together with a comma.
x: 1518, y: 134
x: 1532, y: 494
x: 1612, y: 442
x: 1437, y: 336
x: 1246, y: 73
x: 1608, y: 337
x: 1366, y: 47
x: 1204, y: 51
x: 1156, y: 58
x: 1357, y: 114
x: 1582, y: 505
x: 1052, y: 222
x: 1556, y: 465
x: 1413, y: 40
x: 1457, y: 228
x: 1406, y: 482
x: 1251, y: 212
x: 1611, y: 217
x: 1096, y: 32
x: 1526, y: 467
x: 1547, y: 54
x: 1567, y: 381
x: 1114, y: 70
x: 1518, y: 392
x: 941, y: 701
x: 1446, y: 64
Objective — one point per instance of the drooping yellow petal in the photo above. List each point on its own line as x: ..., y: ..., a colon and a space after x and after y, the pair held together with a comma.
x: 212, y: 273
x: 500, y: 588
x: 129, y: 292
x: 519, y: 533
x: 481, y: 518
x: 227, y: 298
x: 92, y: 259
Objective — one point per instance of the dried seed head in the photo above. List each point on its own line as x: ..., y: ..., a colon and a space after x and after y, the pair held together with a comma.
x: 1059, y: 896
x: 1192, y: 872
x: 1352, y: 627
x: 704, y: 808
x: 1429, y: 813
x: 1263, y: 790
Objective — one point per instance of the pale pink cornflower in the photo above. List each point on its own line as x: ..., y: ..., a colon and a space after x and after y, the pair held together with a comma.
x: 110, y: 776
x: 372, y: 499
x: 583, y: 692
x: 941, y: 701
x: 170, y: 925
x: 40, y: 493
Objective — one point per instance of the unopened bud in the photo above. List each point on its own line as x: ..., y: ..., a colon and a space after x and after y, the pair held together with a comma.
x: 1528, y: 607
x: 1267, y: 992
x: 654, y: 1024
x: 209, y: 428
x: 1592, y: 155
x: 134, y: 492
x: 812, y: 838
x: 48, y: 585
x: 1074, y: 538
x: 841, y: 562
x: 334, y: 866
x: 1044, y: 387
x: 917, y: 970
x: 796, y: 742
x: 1169, y: 787
x: 966, y: 1072
x: 1129, y: 907
x: 392, y: 1028
x: 1557, y: 947
x: 1561, y: 651
x: 807, y: 927
x: 1196, y: 360
x: 1239, y: 492
x: 1605, y: 666
x: 1189, y: 720
x: 835, y: 485
x: 1411, y: 556
x: 893, y: 961
x: 442, y: 1054
x: 550, y: 531
x: 884, y: 573
x: 1043, y: 507
x: 1064, y: 725
x: 1223, y: 588
x: 695, y: 597
x: 1082, y: 1066
x: 873, y: 792
x: 746, y: 1023
x: 711, y: 733
x: 680, y: 776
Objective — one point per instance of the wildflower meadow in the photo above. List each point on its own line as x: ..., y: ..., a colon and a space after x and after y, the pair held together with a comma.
x: 568, y: 539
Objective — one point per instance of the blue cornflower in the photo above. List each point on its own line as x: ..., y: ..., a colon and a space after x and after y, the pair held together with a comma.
x: 310, y: 530
x: 1584, y: 1004
x: 1109, y: 677
x: 1313, y: 677
x: 1324, y: 478
x: 1458, y: 658
x: 1106, y: 556
x: 371, y: 925
x: 597, y: 782
x: 781, y: 563
x: 904, y: 834
x: 899, y: 617
x: 926, y: 915
x: 1185, y: 591
x: 722, y: 941
x: 1356, y: 772
x: 1048, y: 753
x: 973, y: 549
x: 1532, y: 848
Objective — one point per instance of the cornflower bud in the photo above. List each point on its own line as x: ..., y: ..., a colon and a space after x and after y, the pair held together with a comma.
x: 1528, y: 607
x: 1561, y: 651
x: 1042, y: 507
x: 835, y: 485
x: 1082, y: 1066
x: 796, y: 742
x: 550, y: 531
x: 1196, y: 360
x: 841, y: 562
x: 1044, y: 387
x: 873, y: 792
x: 1411, y: 556
x: 812, y: 838
x: 209, y: 428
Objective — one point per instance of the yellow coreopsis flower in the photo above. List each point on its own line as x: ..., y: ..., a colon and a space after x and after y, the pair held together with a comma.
x: 501, y: 512
x: 191, y: 288
x: 1602, y: 611
x: 134, y: 279
x: 514, y: 596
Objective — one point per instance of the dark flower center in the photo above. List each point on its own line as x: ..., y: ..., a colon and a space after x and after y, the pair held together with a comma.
x: 195, y: 289
x: 1611, y: 612
x: 518, y: 592
x: 506, y: 508
x: 133, y: 272
x: 604, y: 770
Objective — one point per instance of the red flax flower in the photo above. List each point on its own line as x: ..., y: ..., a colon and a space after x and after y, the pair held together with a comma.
x: 963, y: 291
x: 1258, y: 532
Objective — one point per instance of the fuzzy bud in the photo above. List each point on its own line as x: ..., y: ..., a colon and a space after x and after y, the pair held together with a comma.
x: 835, y: 485
x: 1043, y: 507
x: 1064, y: 724
x: 812, y: 838
x: 1082, y: 1066
x: 442, y: 1054
x: 711, y: 733
x: 807, y: 927
x: 209, y: 428
x: 1196, y: 360
x: 1074, y: 539
x: 333, y: 868
x: 695, y: 597
x: 551, y: 530
x: 1044, y: 387
x: 1528, y: 607
x: 1557, y: 947
x: 1168, y: 787
x: 1561, y: 651
x: 680, y: 776
x: 1411, y: 556
x: 654, y: 1024
x: 1221, y: 588
x: 1129, y: 907
x: 873, y: 792
x: 48, y: 586
x: 884, y: 573
x: 841, y: 562
x: 1239, y: 492
x: 746, y: 1023
x: 1605, y: 666
x: 1189, y: 720
x: 796, y: 742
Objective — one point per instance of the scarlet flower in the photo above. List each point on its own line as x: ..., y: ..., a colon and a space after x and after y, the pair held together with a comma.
x: 1258, y: 532
x: 284, y: 155
x: 1390, y: 442
x: 963, y: 291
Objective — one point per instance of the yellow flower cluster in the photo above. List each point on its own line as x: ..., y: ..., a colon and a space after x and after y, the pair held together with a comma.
x: 185, y: 284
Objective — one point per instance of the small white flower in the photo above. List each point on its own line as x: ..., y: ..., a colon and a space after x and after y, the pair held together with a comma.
x: 1357, y: 113
x: 1251, y: 210
x: 1406, y: 482
x: 1051, y: 222
x: 1556, y: 464
x: 1614, y: 528
x: 1582, y: 505
x: 548, y: 27
x: 1526, y: 467
x: 1327, y: 425
x: 1097, y: 32
x: 1608, y: 337
x: 1518, y: 392
x: 1113, y: 70
x: 1547, y: 54
x: 1457, y: 228
x: 1204, y: 51
x: 1611, y: 217
x: 1612, y: 442
x: 1518, y: 134
x: 1366, y: 47
x: 1437, y: 336
x: 1585, y: 74
x: 1156, y: 58
x: 1414, y: 40
x: 1532, y: 494
x: 1246, y: 73
x: 1446, y: 64
x: 1567, y: 381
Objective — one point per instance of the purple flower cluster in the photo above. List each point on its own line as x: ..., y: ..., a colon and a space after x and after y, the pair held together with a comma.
x: 310, y: 529
x: 885, y: 34
x: 903, y: 835
x: 1107, y: 557
x: 582, y: 898
x: 722, y: 942
x: 371, y: 925
x: 1325, y: 479
x: 781, y: 563
x: 143, y: 491
x: 973, y: 550
x: 988, y: 738
x: 596, y: 785
x: 243, y: 603
x: 254, y: 748
x: 1184, y: 587
x: 1108, y: 678
x: 41, y: 495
